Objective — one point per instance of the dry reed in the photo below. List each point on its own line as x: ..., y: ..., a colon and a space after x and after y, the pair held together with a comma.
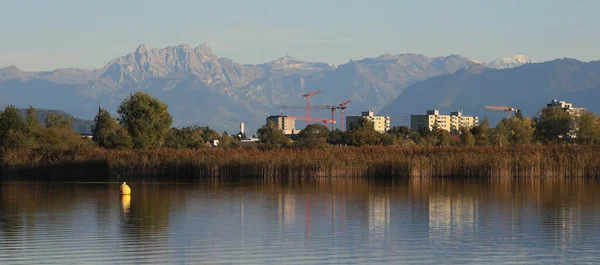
x: 346, y: 162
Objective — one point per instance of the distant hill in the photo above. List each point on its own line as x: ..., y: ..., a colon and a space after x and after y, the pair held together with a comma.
x: 79, y: 125
x: 529, y: 88
x: 203, y: 89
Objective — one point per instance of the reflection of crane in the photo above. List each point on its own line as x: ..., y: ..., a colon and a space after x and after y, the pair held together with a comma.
x: 307, y: 96
x: 343, y: 107
x: 507, y: 109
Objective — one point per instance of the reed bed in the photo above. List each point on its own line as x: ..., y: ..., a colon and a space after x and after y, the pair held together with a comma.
x: 334, y: 162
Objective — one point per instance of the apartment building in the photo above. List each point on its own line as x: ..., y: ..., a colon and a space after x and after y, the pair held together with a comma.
x: 573, y: 111
x: 568, y: 107
x: 380, y: 123
x: 450, y: 123
x: 284, y: 123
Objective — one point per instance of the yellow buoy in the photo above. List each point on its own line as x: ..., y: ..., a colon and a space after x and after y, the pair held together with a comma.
x: 125, y: 190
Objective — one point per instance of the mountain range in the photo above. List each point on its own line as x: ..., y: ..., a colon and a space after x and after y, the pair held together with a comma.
x: 203, y: 89
x: 528, y: 88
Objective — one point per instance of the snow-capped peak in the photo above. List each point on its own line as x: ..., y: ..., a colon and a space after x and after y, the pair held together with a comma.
x: 290, y: 63
x: 508, y: 62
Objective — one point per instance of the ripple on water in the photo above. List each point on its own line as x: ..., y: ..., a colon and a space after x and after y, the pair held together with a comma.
x: 356, y: 222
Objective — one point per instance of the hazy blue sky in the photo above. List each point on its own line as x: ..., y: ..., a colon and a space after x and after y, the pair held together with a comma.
x: 44, y: 35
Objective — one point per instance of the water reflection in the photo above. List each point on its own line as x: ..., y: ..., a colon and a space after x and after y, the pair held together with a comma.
x: 125, y: 203
x: 346, y: 221
x: 379, y: 217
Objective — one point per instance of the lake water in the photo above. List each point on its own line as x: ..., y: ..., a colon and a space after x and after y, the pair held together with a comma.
x: 414, y: 221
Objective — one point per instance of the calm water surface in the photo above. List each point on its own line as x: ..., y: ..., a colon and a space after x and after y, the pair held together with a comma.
x: 417, y: 221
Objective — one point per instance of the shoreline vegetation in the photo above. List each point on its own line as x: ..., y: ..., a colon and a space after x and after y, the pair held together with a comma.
x: 539, y: 161
x: 141, y: 145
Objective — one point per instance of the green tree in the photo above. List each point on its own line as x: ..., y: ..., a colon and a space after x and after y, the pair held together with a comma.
x: 209, y: 134
x: 31, y: 120
x: 270, y: 136
x: 146, y: 119
x: 20, y: 140
x: 362, y: 133
x: 466, y: 137
x: 61, y: 138
x: 119, y: 139
x: 445, y: 138
x: 10, y: 120
x: 522, y: 130
x: 425, y: 137
x: 482, y: 132
x: 401, y: 136
x: 387, y: 139
x: 55, y: 120
x: 313, y: 136
x: 108, y: 133
x: 336, y: 137
x: 227, y: 141
x: 501, y: 134
x: 102, y: 127
x: 187, y: 137
x: 553, y: 124
x: 514, y: 130
x: 588, y: 128
x: 400, y: 131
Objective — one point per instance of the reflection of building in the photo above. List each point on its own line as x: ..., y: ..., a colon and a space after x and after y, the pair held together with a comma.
x: 287, y: 209
x: 569, y: 216
x: 380, y: 123
x: 450, y: 216
x: 379, y: 215
x: 451, y: 123
x: 284, y: 123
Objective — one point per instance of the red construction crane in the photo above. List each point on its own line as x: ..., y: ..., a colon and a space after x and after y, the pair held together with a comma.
x: 343, y: 107
x: 504, y: 108
x: 332, y: 108
x: 326, y: 121
x: 307, y: 96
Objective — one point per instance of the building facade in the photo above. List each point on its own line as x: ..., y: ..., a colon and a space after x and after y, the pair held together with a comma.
x: 574, y: 112
x: 568, y: 107
x: 450, y: 123
x: 380, y: 123
x: 284, y: 123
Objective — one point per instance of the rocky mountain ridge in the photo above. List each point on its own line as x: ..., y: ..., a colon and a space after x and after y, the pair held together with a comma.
x: 201, y: 88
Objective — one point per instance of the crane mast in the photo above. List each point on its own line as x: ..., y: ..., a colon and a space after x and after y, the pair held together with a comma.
x: 342, y: 108
x: 307, y: 96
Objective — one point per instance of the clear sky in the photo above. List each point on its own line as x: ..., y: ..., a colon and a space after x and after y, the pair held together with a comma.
x: 45, y: 35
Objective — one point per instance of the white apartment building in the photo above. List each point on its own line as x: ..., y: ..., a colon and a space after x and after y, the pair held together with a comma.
x: 380, y: 123
x: 450, y: 123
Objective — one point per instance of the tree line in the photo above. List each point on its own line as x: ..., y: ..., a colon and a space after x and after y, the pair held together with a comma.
x: 144, y: 122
